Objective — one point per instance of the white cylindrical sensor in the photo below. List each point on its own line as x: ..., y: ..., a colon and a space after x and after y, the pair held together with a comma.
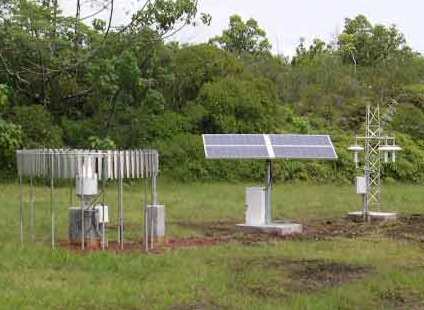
x: 356, y: 158
x: 86, y: 186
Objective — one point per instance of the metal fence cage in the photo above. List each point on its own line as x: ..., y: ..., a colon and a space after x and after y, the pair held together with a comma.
x: 65, y: 165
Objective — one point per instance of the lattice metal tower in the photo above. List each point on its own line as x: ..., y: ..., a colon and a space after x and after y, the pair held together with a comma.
x: 372, y: 141
x: 377, y: 146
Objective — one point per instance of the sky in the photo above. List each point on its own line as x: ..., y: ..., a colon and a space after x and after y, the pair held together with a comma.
x: 285, y: 22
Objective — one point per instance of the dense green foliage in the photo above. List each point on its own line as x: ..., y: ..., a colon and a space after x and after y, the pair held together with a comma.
x: 64, y: 82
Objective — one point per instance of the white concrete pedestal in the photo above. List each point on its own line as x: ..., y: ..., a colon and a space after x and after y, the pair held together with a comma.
x: 280, y: 229
x: 373, y: 216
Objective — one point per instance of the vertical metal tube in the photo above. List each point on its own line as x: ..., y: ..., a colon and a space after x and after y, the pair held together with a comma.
x: 365, y: 211
x: 154, y: 189
x: 356, y: 159
x: 121, y: 211
x: 21, y: 211
x: 82, y: 176
x: 103, y: 199
x: 268, y: 192
x: 32, y: 211
x: 367, y: 161
x: 118, y: 169
x: 146, y: 229
x: 51, y: 200
x: 71, y: 193
x: 153, y: 202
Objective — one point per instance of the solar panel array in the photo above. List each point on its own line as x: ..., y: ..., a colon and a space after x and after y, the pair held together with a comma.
x: 268, y: 146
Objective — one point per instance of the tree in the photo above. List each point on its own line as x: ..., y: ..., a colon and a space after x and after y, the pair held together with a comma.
x: 236, y: 105
x: 195, y: 66
x: 77, y: 71
x: 10, y: 134
x: 243, y: 37
x: 305, y: 56
x: 361, y: 43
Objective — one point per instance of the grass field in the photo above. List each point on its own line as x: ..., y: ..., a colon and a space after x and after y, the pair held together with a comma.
x: 336, y: 265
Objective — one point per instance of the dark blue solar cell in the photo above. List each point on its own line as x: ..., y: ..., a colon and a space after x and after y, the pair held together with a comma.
x: 253, y: 146
x: 288, y: 139
x: 236, y: 152
x: 304, y: 152
x: 234, y: 139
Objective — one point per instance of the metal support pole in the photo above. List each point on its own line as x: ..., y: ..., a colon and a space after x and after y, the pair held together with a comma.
x: 121, y: 215
x: 365, y: 197
x: 103, y: 201
x: 154, y: 189
x: 268, y: 192
x: 82, y: 176
x: 146, y: 228
x: 117, y: 203
x: 21, y: 212
x: 71, y: 193
x: 32, y: 211
x: 52, y: 202
x: 120, y: 206
x: 152, y: 206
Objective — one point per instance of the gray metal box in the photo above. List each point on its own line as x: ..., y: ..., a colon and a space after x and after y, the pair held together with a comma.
x: 361, y: 185
x: 255, y: 205
x: 157, y: 220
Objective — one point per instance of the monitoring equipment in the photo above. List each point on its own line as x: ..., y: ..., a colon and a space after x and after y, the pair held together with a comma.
x: 267, y: 147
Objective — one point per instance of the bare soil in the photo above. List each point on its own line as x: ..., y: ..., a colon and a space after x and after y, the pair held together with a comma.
x: 297, y: 276
x: 399, y: 298
x: 198, y: 306
x: 408, y: 227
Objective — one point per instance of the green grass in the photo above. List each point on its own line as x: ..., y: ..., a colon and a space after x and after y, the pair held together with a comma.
x: 234, y: 275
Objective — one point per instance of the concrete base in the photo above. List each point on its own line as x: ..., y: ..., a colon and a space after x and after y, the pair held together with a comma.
x: 280, y: 229
x: 373, y: 216
x: 156, y: 221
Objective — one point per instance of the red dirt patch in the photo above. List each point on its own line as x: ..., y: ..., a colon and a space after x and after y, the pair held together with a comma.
x: 213, y: 233
x: 193, y: 242
x: 160, y: 247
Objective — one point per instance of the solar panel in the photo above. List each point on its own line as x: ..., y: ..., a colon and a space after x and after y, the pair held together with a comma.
x: 299, y: 140
x: 237, y: 152
x: 292, y: 146
x: 301, y: 152
x: 264, y: 146
x: 235, y: 146
x: 234, y: 139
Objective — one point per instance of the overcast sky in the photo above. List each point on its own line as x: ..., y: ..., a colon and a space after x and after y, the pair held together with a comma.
x: 287, y: 21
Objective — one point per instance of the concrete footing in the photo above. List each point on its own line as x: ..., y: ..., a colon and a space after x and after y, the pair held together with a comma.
x: 280, y: 229
x: 373, y: 216
x: 156, y: 217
